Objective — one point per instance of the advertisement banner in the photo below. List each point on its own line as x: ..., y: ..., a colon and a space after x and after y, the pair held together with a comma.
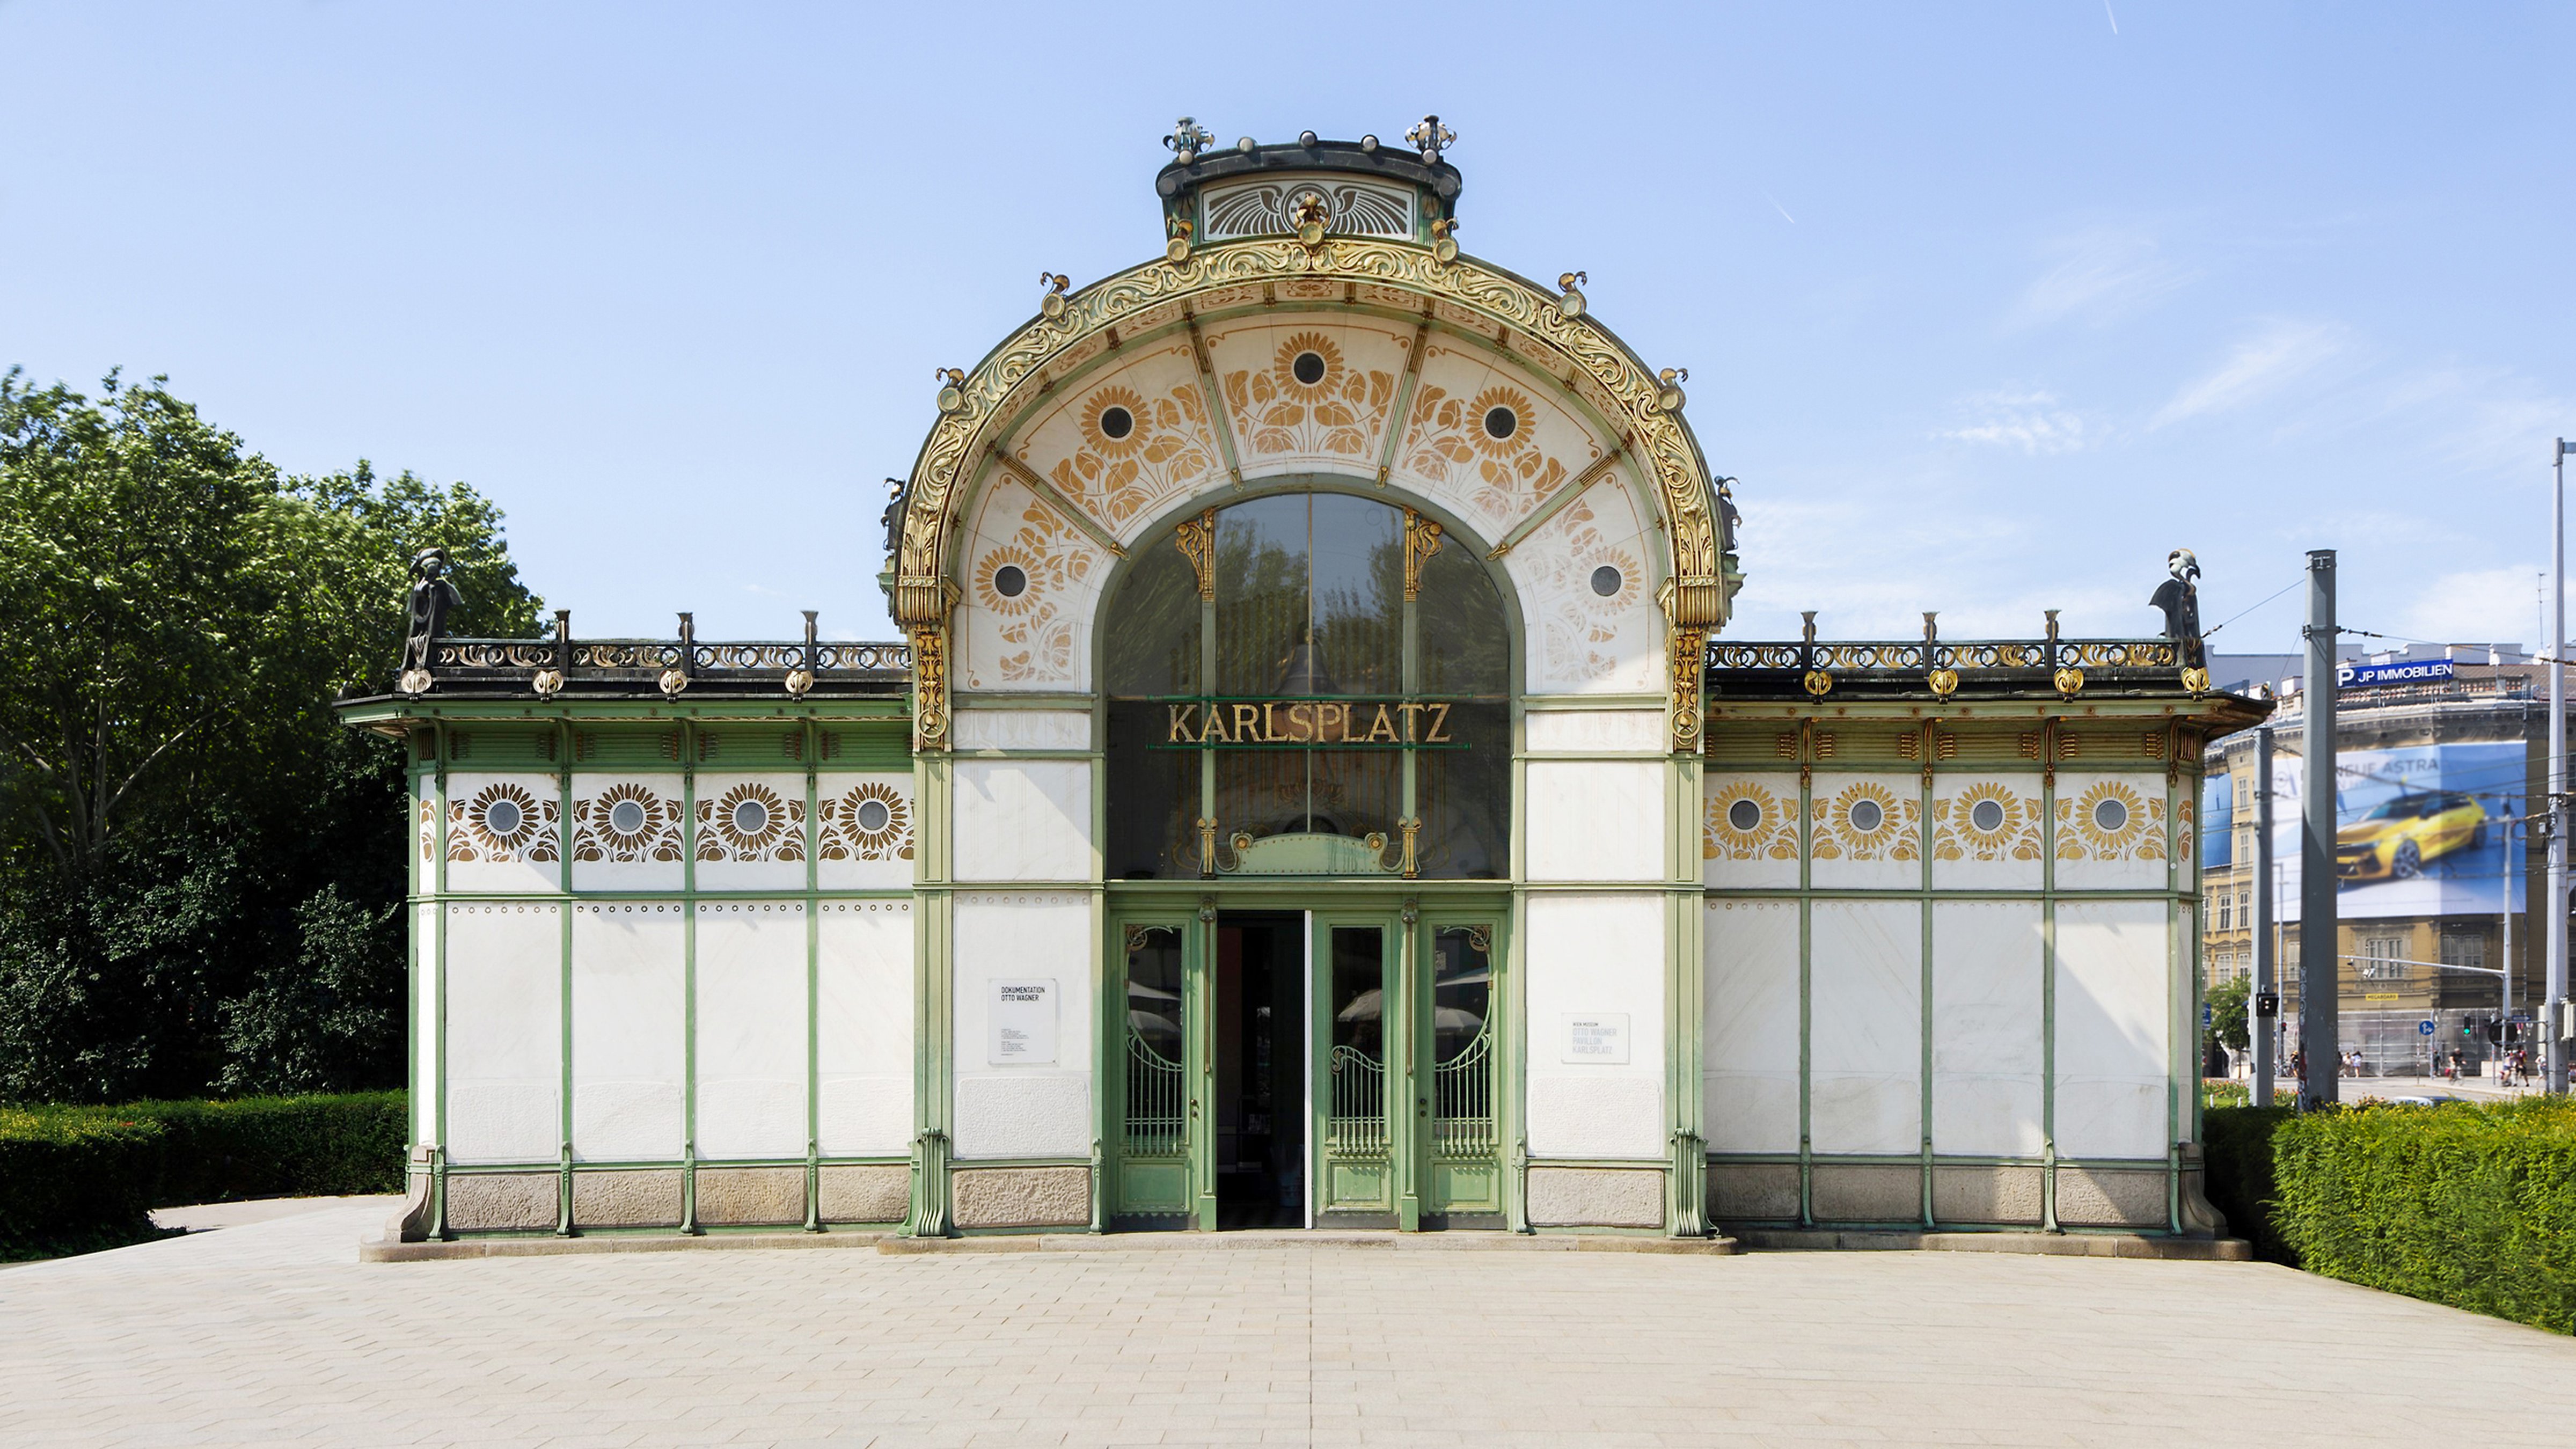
x: 2419, y: 831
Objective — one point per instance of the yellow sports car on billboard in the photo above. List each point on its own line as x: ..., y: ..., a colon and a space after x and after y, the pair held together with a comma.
x: 2396, y: 837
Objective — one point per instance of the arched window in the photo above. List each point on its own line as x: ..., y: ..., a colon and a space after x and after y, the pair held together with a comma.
x: 1295, y: 675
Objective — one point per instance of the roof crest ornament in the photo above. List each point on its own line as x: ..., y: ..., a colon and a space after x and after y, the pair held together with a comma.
x: 1188, y: 139
x: 1431, y: 138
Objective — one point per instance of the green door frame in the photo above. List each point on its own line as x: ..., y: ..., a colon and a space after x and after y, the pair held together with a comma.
x: 1445, y: 1181
x: 1152, y: 1183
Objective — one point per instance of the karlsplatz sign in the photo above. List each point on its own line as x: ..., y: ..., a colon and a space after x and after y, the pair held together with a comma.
x: 1356, y: 723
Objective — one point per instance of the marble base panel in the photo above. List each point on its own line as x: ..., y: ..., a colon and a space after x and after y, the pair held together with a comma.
x: 1753, y: 1191
x: 627, y: 1198
x: 751, y: 1196
x: 1596, y: 1197
x: 1857, y: 1193
x: 1021, y: 1197
x: 503, y: 1201
x: 864, y: 1193
x: 1987, y: 1195
x: 2102, y: 1197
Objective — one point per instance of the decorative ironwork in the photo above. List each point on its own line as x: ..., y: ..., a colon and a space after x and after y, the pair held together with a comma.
x: 558, y: 666
x: 1946, y: 665
x: 1421, y: 541
x: 1463, y: 1100
x: 1154, y: 1120
x: 1356, y: 1126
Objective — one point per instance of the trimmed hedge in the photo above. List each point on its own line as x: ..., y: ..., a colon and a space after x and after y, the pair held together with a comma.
x: 78, y: 1178
x: 2472, y: 1205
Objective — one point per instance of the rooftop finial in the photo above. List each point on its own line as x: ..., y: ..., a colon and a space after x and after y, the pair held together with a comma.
x: 1431, y: 138
x: 1189, y: 138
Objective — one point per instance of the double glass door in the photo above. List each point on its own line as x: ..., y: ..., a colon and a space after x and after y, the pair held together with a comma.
x: 1306, y: 1068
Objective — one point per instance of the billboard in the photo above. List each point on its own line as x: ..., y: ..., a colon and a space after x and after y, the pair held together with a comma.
x: 2423, y: 830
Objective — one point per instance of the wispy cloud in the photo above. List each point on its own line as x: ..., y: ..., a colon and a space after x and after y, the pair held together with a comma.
x: 2260, y: 366
x: 2034, y: 422
x: 2100, y: 277
x: 2484, y: 606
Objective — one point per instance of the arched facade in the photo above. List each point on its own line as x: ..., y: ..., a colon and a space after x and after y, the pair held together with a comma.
x: 1310, y: 791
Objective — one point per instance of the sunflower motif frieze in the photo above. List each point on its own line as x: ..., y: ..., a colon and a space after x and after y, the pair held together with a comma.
x: 1306, y: 397
x: 629, y: 823
x: 1744, y: 820
x: 870, y: 821
x: 1986, y: 821
x: 1126, y: 448
x: 751, y: 822
x: 1867, y: 820
x: 502, y: 823
x: 2110, y: 820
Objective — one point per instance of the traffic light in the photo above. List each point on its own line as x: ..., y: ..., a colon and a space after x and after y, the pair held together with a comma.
x: 2467, y: 1027
x: 2495, y: 1029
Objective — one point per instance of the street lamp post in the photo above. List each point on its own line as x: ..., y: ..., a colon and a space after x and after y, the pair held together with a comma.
x: 2554, y: 1024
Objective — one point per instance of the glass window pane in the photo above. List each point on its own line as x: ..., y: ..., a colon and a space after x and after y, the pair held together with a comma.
x: 1465, y: 796
x: 1466, y: 646
x: 1358, y: 604
x: 1153, y: 648
x: 1261, y: 578
x: 1154, y: 799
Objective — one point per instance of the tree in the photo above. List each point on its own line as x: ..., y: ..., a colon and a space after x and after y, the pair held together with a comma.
x: 2228, y: 1002
x: 200, y: 870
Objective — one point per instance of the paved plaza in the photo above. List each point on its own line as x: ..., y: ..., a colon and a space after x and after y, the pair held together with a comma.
x: 273, y: 1333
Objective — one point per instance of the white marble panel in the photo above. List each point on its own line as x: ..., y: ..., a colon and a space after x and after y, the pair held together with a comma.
x: 1451, y: 455
x: 1284, y: 424
x: 751, y: 830
x: 505, y: 1033
x: 1865, y: 1053
x: 1040, y: 637
x: 504, y: 833
x: 1595, y: 819
x: 864, y: 1027
x: 2113, y: 995
x: 1749, y: 1065
x: 1987, y: 831
x: 424, y: 1024
x: 1748, y: 829
x: 868, y: 832
x: 1023, y: 820
x: 1167, y: 453
x: 1595, y: 731
x: 2111, y: 830
x: 1042, y: 1109
x: 629, y: 1030
x: 628, y: 832
x: 1866, y: 830
x: 1989, y: 1029
x: 1021, y: 729
x: 751, y: 1029
x: 1593, y: 955
x: 1581, y: 640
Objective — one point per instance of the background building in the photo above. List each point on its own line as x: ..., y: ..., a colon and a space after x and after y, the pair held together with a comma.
x: 2439, y: 749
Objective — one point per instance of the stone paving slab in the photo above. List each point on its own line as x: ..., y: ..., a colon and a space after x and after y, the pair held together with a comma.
x: 273, y: 1333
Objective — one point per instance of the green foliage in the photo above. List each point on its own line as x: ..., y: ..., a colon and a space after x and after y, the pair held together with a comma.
x: 2229, y: 1001
x: 2237, y: 1145
x: 2469, y: 1205
x: 74, y: 1179
x: 199, y: 867
x: 2217, y: 1092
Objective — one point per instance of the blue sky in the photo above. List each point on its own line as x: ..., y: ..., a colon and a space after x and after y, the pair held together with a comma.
x: 1987, y: 306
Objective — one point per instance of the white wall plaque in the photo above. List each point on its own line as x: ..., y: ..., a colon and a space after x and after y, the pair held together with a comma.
x: 1023, y: 1024
x: 1598, y: 1038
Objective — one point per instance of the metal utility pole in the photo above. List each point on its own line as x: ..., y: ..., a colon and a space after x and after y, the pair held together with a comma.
x: 2319, y: 976
x: 2554, y: 1023
x: 2266, y: 977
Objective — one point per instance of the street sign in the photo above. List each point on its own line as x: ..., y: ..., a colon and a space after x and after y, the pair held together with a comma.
x: 2352, y: 676
x: 2423, y: 1028
x: 2204, y: 1016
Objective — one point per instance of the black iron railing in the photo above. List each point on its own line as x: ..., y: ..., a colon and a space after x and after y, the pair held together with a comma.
x: 549, y: 666
x: 2043, y: 656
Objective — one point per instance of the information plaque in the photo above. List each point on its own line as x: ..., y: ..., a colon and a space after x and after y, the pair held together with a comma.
x: 1024, y: 1024
x: 1600, y: 1038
